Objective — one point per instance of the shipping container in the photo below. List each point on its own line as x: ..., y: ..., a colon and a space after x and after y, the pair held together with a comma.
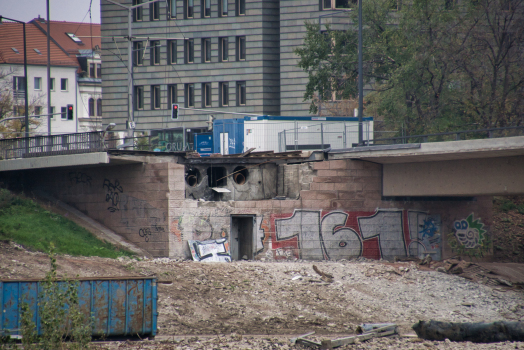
x: 117, y: 306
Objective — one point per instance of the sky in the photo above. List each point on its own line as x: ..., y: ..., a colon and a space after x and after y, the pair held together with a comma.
x: 60, y: 10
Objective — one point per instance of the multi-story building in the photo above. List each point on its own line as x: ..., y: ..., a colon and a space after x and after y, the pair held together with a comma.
x: 214, y: 58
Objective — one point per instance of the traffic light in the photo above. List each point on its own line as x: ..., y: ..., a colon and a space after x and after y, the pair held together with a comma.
x: 174, y: 111
x: 69, y: 112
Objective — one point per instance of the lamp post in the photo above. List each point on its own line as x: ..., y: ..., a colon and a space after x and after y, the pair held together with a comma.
x: 360, y: 69
x: 25, y: 85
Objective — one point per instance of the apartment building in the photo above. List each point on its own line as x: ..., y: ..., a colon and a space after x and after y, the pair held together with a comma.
x: 216, y: 59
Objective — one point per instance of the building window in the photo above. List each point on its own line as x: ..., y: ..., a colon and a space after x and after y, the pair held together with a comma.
x: 241, y: 48
x: 38, y: 83
x: 139, y: 98
x: 63, y: 112
x: 63, y: 84
x: 337, y: 4
x: 189, y: 95
x: 241, y: 93
x: 38, y: 111
x: 223, y: 49
x: 206, y: 8
x: 155, y: 96
x: 99, y: 107
x: 94, y: 70
x: 91, y: 107
x: 189, y: 50
x: 52, y: 111
x: 154, y: 11
x: 240, y: 7
x: 154, y: 52
x: 190, y: 8
x: 52, y: 84
x: 18, y: 86
x: 137, y: 12
x: 171, y: 95
x: 99, y: 70
x: 171, y: 9
x: 171, y: 52
x: 206, y: 50
x: 223, y: 92
x: 138, y: 53
x: 222, y: 8
x: 206, y: 95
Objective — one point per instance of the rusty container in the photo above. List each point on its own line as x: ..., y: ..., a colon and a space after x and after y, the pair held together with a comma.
x: 116, y: 306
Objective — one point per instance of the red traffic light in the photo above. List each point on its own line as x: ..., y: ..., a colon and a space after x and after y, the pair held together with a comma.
x: 174, y: 111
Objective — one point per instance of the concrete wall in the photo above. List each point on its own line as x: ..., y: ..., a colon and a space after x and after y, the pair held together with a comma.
x: 339, y: 212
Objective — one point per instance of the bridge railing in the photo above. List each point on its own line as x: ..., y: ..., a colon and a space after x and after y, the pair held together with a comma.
x: 450, y: 136
x: 41, y: 146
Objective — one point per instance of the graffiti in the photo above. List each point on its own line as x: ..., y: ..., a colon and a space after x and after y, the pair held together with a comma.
x: 210, y: 251
x: 112, y: 194
x: 175, y: 229
x: 145, y: 233
x: 136, y: 212
x: 76, y: 177
x: 470, y: 233
x: 319, y: 235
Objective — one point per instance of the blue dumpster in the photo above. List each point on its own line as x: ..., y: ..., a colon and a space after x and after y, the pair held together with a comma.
x: 118, y: 306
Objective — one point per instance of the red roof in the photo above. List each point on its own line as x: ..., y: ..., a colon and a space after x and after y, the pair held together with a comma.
x: 11, y: 36
x: 88, y: 34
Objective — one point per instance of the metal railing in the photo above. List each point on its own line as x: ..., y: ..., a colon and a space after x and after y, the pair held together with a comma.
x: 41, y: 146
x: 450, y: 136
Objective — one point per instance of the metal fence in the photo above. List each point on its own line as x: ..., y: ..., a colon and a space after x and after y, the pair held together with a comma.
x: 41, y: 146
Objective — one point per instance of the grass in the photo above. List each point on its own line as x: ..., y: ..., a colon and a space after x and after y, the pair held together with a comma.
x: 28, y: 224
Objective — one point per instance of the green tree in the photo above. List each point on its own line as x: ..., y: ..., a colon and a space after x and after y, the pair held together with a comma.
x: 433, y: 65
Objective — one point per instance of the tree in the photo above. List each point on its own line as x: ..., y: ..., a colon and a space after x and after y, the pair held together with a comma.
x: 434, y: 65
x: 8, y: 105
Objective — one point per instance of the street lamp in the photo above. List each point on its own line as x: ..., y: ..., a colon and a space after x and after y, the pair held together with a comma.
x: 25, y: 83
x: 360, y: 69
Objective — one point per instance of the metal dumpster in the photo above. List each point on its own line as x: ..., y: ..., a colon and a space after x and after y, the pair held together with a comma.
x: 118, y: 306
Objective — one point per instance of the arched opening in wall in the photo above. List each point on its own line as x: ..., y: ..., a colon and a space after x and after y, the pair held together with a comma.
x: 240, y: 175
x: 216, y: 176
x: 193, y: 177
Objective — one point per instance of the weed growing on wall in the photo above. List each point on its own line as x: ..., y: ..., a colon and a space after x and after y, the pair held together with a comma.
x: 60, y: 316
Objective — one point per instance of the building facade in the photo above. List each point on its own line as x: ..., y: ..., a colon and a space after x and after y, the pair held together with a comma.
x: 216, y: 59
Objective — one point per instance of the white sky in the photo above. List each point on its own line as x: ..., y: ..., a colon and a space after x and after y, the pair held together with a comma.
x: 60, y: 10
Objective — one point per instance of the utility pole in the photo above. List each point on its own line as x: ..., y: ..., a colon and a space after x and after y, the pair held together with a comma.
x: 49, y: 116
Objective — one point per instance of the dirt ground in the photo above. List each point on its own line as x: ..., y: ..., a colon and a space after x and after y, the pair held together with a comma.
x: 260, y: 305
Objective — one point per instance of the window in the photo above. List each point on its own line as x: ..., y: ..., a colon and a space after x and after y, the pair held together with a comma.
x: 137, y: 12
x: 172, y: 9
x: 138, y: 53
x: 38, y: 83
x: 99, y: 107
x: 154, y: 52
x: 154, y: 11
x: 241, y: 48
x: 189, y: 50
x: 139, y: 97
x: 38, y: 111
x: 189, y: 8
x: 52, y: 84
x: 240, y: 7
x: 91, y: 107
x: 337, y: 4
x: 189, y: 95
x: 171, y: 95
x: 63, y: 84
x: 52, y: 111
x: 223, y: 49
x: 171, y: 52
x: 206, y: 95
x: 63, y: 112
x: 222, y: 8
x: 18, y: 84
x: 241, y: 93
x: 155, y: 96
x: 206, y: 8
x: 99, y: 70
x: 92, y: 70
x: 75, y: 38
x: 206, y: 50
x: 223, y: 91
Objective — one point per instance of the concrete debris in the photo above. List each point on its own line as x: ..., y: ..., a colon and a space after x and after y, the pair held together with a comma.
x: 324, y: 276
x: 373, y: 331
